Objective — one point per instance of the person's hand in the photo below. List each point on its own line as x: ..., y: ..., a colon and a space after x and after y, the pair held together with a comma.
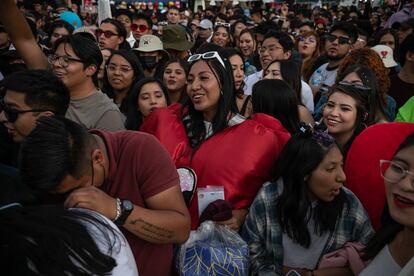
x: 236, y: 220
x: 94, y: 199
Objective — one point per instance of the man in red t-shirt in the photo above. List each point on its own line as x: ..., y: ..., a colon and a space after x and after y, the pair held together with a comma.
x: 126, y: 176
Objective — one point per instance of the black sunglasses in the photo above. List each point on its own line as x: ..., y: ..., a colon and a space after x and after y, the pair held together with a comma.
x: 360, y: 87
x: 12, y: 114
x: 341, y: 39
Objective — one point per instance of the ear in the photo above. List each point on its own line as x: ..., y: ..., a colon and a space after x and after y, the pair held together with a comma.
x: 120, y: 39
x: 287, y: 54
x: 91, y: 70
x: 47, y: 114
x: 409, y: 56
x: 98, y: 158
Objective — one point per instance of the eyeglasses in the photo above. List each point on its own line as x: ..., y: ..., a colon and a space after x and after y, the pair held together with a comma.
x: 12, y: 114
x: 309, y: 39
x: 123, y: 69
x: 223, y: 24
x: 360, y: 87
x: 341, y: 39
x: 140, y: 28
x: 269, y: 48
x: 208, y: 55
x: 107, y: 34
x: 393, y: 172
x: 63, y: 60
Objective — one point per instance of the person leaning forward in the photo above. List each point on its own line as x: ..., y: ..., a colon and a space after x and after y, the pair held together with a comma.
x: 126, y: 176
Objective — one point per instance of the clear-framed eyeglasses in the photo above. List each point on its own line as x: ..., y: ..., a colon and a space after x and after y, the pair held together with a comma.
x: 393, y: 172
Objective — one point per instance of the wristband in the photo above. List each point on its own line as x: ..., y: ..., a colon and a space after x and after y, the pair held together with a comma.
x: 118, y: 209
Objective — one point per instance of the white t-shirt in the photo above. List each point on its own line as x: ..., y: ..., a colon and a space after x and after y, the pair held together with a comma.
x: 326, y: 76
x: 306, y: 92
x: 295, y: 255
x: 307, y: 96
x: 121, y: 251
x: 250, y: 80
x: 382, y: 265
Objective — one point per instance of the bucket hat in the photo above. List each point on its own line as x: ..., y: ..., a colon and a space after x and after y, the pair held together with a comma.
x: 174, y: 37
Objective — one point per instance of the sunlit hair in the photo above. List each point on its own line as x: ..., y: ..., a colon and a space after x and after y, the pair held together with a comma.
x: 369, y: 58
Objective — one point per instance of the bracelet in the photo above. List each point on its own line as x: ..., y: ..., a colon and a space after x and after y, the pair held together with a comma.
x: 118, y: 209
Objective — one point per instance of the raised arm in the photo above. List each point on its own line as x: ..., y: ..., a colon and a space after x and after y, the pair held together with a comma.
x: 21, y: 35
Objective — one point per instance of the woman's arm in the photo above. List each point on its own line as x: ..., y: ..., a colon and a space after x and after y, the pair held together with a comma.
x: 21, y: 35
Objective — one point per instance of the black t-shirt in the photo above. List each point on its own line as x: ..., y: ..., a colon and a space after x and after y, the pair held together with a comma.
x: 400, y: 90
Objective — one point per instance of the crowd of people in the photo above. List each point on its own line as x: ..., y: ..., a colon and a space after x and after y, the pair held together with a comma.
x: 303, y: 115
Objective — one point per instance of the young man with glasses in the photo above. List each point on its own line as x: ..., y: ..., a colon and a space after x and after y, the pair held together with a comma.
x: 339, y: 42
x: 141, y: 25
x: 76, y: 62
x: 276, y: 45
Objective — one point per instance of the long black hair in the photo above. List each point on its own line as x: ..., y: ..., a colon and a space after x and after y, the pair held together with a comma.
x: 389, y: 227
x: 299, y: 158
x: 290, y: 73
x: 52, y: 240
x: 362, y: 107
x: 134, y: 116
x: 184, y: 66
x: 277, y: 99
x: 226, y: 104
x: 138, y: 75
x: 228, y: 52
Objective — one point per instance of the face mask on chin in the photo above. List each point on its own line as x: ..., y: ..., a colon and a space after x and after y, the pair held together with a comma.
x: 148, y: 62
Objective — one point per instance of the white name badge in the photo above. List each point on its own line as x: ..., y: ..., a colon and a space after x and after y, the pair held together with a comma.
x: 207, y: 195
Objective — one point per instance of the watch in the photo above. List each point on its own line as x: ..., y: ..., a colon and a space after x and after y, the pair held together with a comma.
x: 126, y: 209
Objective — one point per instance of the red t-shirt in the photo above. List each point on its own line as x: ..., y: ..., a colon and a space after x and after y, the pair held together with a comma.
x: 139, y: 168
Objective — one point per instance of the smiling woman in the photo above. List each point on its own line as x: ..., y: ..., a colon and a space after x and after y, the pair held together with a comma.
x: 123, y: 71
x: 192, y: 135
x: 391, y: 247
x: 346, y: 112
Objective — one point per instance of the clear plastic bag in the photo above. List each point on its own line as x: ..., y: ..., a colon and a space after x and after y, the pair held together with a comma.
x: 214, y: 250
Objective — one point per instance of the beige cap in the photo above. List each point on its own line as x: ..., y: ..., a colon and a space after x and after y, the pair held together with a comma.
x: 149, y: 43
x: 386, y: 54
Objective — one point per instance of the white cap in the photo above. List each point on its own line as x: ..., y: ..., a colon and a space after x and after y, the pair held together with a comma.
x: 149, y: 43
x: 386, y: 54
x: 205, y: 24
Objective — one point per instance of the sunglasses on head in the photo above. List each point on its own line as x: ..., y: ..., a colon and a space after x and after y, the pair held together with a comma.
x: 360, y: 87
x: 341, y: 39
x: 107, y: 34
x: 206, y: 56
x: 141, y: 28
x: 224, y: 24
x: 12, y: 114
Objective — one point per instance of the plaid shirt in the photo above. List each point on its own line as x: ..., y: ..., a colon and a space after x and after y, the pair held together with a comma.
x: 263, y: 232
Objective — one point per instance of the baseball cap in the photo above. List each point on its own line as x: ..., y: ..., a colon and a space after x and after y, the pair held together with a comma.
x: 205, y: 24
x: 72, y: 18
x: 149, y: 43
x: 174, y: 37
x: 386, y: 54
